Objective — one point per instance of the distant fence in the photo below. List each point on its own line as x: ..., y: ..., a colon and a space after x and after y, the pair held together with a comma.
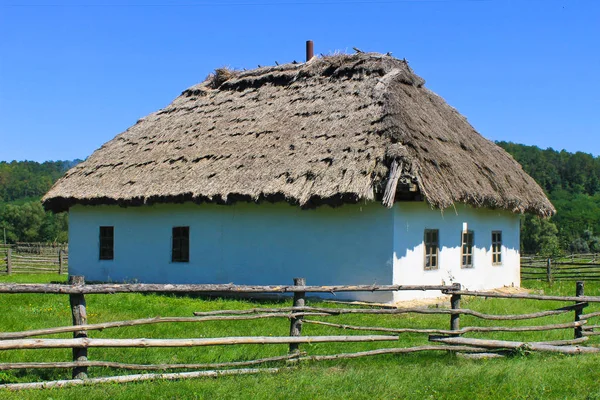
x: 572, y: 267
x: 444, y: 339
x: 34, y: 258
x: 39, y: 248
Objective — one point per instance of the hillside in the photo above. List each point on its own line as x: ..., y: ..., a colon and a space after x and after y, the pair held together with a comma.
x: 22, y: 218
x: 21, y: 180
x: 572, y: 182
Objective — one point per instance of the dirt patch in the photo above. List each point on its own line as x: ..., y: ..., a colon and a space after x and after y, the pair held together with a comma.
x: 435, y: 302
x: 444, y: 301
x: 511, y: 290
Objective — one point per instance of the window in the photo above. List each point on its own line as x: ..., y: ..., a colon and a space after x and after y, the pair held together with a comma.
x: 467, y: 249
x: 431, y: 249
x: 181, y: 244
x: 107, y: 242
x: 496, y: 248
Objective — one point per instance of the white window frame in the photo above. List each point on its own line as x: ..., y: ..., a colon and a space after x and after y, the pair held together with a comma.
x: 431, y: 249
x: 496, y: 247
x: 467, y: 241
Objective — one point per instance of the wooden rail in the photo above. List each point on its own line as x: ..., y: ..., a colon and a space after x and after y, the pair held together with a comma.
x: 588, y: 299
x: 386, y: 311
x: 504, y: 344
x: 149, y: 321
x: 51, y: 260
x: 455, y: 331
x: 84, y: 343
x: 145, y: 367
x: 287, y: 313
x: 206, y: 288
x: 136, y: 378
x: 574, y: 267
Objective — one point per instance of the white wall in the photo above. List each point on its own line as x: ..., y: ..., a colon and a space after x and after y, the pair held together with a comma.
x: 242, y: 244
x: 273, y: 243
x: 410, y: 221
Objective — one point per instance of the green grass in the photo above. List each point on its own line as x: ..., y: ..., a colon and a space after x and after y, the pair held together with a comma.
x: 420, y: 376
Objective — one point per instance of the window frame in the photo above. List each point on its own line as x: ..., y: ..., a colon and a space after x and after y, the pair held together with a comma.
x: 106, y: 243
x: 180, y: 244
x: 431, y: 250
x: 496, y: 247
x: 466, y: 249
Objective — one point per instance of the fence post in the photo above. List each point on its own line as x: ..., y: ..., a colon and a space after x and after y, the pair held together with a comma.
x: 79, y: 313
x: 455, y: 318
x: 549, y: 270
x: 60, y: 261
x: 296, y: 323
x: 8, y: 261
x: 579, y: 290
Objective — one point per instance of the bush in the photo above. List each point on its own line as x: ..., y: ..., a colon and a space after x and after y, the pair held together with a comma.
x: 594, y: 244
x: 579, y: 245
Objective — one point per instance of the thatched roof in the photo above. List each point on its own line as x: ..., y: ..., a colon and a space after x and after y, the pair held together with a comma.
x: 332, y: 130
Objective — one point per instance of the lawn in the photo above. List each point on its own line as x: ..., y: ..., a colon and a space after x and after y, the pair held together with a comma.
x: 421, y: 375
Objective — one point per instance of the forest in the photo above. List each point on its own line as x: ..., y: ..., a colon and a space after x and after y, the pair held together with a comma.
x: 571, y: 180
x: 22, y: 217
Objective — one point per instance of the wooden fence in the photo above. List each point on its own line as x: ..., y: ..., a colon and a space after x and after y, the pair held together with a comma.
x: 47, y: 249
x: 33, y: 258
x: 573, y: 267
x: 450, y: 338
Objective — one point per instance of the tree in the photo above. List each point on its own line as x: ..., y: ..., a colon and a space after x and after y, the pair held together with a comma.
x: 572, y: 182
x: 55, y: 228
x: 539, y: 236
x: 24, y: 221
x: 22, y: 183
x: 592, y: 185
x: 29, y: 222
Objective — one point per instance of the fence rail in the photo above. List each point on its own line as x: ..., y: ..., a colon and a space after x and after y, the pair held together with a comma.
x: 299, y: 314
x: 207, y: 288
x: 25, y: 258
x: 573, y: 267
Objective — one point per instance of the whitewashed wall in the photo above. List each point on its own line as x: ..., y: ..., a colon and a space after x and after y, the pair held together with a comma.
x: 273, y: 243
x: 410, y: 221
x: 242, y: 244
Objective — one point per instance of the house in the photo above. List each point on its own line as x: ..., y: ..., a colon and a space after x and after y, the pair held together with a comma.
x: 343, y: 170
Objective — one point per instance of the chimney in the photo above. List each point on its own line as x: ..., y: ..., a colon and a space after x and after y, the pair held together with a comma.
x: 309, y: 50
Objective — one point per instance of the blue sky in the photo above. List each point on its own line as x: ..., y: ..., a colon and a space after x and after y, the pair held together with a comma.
x: 73, y: 74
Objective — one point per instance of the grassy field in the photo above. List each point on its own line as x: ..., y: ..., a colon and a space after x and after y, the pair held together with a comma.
x: 419, y: 376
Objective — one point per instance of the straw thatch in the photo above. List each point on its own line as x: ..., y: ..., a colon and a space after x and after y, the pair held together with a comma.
x: 328, y: 131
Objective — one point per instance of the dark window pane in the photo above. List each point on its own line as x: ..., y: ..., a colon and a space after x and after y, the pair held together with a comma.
x: 107, y: 242
x: 181, y: 244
